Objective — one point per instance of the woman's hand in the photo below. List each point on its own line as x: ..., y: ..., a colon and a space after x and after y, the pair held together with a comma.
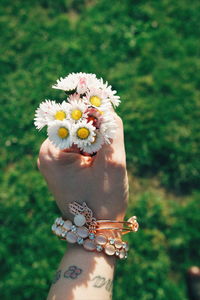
x: 101, y: 181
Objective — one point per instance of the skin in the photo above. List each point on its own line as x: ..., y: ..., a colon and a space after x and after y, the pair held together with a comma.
x: 101, y: 181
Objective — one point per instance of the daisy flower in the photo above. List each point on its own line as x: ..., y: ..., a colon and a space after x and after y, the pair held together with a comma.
x: 59, y: 112
x: 97, y: 98
x: 77, y: 110
x: 110, y: 94
x: 76, y: 81
x: 59, y: 133
x: 73, y: 97
x: 108, y: 127
x: 85, y: 81
x: 95, y: 145
x: 42, y: 111
x: 85, y: 119
x: 83, y: 133
x: 49, y: 111
x: 68, y: 83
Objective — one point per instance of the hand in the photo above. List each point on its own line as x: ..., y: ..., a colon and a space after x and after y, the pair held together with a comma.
x: 101, y: 181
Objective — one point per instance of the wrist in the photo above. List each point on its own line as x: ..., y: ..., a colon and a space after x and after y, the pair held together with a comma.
x: 79, y: 252
x: 91, y: 234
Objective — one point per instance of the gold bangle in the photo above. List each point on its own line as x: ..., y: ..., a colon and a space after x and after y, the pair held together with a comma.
x: 127, y: 226
x: 92, y: 234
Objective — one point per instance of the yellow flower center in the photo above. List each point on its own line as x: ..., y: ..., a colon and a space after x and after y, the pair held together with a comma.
x: 76, y: 114
x: 63, y: 132
x: 83, y: 133
x: 60, y: 115
x: 95, y: 100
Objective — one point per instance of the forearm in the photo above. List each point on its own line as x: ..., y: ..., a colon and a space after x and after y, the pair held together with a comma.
x: 83, y: 275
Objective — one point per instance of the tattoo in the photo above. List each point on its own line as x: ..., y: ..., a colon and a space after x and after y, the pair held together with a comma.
x: 109, y: 285
x: 56, y: 277
x: 73, y: 272
x: 100, y: 281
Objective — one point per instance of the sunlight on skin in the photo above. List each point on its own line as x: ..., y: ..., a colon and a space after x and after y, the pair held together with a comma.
x: 93, y: 265
x: 101, y: 181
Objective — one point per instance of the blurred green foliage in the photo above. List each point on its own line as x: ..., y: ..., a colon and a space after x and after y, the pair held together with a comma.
x: 161, y: 251
x: 149, y: 52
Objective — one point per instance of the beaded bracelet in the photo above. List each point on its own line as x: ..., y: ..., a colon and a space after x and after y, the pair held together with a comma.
x: 89, y: 232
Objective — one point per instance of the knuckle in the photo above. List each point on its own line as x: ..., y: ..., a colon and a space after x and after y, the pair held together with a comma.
x: 43, y: 158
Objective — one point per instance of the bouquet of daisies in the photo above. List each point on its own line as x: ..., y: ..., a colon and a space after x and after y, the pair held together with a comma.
x: 85, y: 119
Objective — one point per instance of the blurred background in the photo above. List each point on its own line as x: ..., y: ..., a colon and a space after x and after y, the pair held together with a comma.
x: 149, y: 51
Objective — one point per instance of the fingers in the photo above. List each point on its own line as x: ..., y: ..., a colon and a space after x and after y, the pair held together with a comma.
x: 50, y: 155
x: 114, y: 152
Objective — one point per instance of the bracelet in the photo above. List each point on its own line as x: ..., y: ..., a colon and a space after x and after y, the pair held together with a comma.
x: 125, y: 226
x: 92, y: 234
